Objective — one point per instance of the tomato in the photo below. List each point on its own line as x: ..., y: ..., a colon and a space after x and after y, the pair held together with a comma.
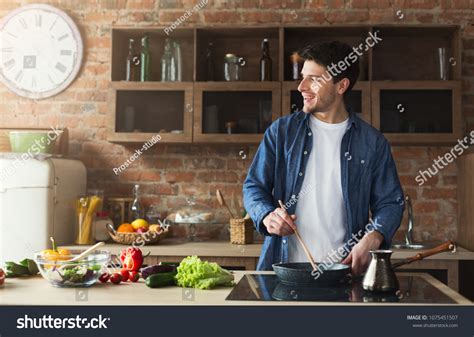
x: 116, y: 278
x: 125, y: 275
x: 104, y: 277
x: 134, y: 276
x: 2, y: 277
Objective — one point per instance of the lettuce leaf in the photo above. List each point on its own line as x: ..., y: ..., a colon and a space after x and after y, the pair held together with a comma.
x: 194, y: 273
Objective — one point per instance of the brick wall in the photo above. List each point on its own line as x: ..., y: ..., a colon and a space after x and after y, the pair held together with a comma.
x: 171, y: 173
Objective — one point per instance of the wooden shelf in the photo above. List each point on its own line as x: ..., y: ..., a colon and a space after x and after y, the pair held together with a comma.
x: 405, y: 60
x: 246, y: 96
x: 242, y: 41
x: 437, y: 97
x: 157, y: 106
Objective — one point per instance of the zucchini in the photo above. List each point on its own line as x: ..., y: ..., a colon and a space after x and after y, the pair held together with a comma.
x: 160, y: 280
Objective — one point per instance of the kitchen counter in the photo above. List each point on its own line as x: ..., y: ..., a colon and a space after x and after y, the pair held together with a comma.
x: 171, y: 247
x: 37, y: 291
x: 246, y: 256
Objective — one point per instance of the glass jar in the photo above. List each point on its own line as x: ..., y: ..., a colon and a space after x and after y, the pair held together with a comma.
x: 100, y: 222
x: 232, y: 67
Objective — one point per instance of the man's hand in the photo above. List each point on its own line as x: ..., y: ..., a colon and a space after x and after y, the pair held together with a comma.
x: 359, y: 256
x: 278, y: 222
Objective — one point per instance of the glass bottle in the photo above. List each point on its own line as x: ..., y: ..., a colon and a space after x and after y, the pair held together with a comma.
x: 166, y: 62
x: 178, y: 61
x: 137, y: 209
x: 145, y: 60
x: 265, y: 62
x: 210, y: 62
x: 130, y: 72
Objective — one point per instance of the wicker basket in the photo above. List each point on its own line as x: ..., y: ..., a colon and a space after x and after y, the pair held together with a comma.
x: 241, y: 231
x: 148, y: 238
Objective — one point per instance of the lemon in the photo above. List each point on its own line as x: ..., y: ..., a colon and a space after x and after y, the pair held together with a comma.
x: 139, y: 223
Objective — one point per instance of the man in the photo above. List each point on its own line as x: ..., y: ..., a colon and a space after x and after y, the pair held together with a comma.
x: 329, y: 167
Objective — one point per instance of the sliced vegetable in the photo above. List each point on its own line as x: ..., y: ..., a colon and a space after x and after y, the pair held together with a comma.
x: 161, y: 280
x: 132, y: 258
x: 194, y: 273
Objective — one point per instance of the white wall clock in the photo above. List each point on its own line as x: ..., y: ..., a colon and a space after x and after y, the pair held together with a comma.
x: 40, y: 51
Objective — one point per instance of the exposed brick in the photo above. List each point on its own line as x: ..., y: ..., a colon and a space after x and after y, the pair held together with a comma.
x: 220, y: 17
x: 439, y: 193
x: 425, y: 207
x: 178, y: 177
x: 261, y: 17
x: 141, y: 4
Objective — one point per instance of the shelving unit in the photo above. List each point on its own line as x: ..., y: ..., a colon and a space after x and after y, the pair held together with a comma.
x: 398, y: 90
x: 252, y: 105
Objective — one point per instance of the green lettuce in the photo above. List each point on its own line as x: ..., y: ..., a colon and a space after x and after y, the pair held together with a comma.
x: 194, y: 273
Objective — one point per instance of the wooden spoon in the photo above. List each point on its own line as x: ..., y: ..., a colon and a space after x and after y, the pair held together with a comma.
x: 222, y: 202
x: 86, y: 252
x: 293, y: 226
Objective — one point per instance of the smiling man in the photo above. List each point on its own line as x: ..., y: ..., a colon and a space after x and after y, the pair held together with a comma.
x: 330, y: 168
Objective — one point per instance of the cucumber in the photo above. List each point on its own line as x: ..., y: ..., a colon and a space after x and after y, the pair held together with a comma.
x: 160, y: 280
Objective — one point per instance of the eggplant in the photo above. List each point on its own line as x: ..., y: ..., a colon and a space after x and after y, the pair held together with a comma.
x: 157, y: 269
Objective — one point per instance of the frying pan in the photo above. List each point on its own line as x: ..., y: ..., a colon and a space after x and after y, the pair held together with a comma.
x: 301, y: 274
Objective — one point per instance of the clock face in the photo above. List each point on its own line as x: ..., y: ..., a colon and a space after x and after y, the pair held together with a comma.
x: 40, y: 51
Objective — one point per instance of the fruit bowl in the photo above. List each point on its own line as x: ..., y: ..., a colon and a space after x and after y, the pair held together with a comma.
x: 65, y: 274
x: 139, y: 239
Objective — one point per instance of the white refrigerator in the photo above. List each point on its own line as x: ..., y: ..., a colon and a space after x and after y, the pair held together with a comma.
x: 37, y: 201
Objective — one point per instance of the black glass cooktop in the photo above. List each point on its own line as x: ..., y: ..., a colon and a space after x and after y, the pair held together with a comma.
x: 413, y: 289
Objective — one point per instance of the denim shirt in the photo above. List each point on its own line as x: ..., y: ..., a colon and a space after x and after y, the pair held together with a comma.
x: 369, y: 180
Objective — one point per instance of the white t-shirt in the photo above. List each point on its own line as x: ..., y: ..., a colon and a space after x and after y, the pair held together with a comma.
x: 320, y: 208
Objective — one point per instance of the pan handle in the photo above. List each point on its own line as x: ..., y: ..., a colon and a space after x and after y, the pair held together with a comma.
x: 444, y: 247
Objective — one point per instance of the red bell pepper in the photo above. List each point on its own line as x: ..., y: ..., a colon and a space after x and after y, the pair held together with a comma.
x: 132, y: 259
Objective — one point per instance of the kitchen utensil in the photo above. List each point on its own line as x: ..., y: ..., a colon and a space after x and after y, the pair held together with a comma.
x: 84, y: 272
x: 303, y: 274
x: 380, y: 275
x: 222, y: 202
x: 147, y: 238
x: 292, y: 224
x: 86, y: 252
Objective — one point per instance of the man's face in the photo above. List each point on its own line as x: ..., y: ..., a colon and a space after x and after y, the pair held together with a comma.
x: 318, y: 94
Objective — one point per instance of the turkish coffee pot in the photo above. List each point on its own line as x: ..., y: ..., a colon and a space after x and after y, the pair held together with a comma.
x: 380, y: 275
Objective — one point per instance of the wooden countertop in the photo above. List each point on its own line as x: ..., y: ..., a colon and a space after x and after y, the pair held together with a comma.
x: 37, y: 291
x: 170, y: 247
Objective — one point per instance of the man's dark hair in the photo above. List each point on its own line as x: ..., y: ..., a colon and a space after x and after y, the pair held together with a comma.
x: 327, y: 53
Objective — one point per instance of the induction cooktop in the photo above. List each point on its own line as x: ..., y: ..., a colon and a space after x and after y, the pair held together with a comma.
x: 258, y: 287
